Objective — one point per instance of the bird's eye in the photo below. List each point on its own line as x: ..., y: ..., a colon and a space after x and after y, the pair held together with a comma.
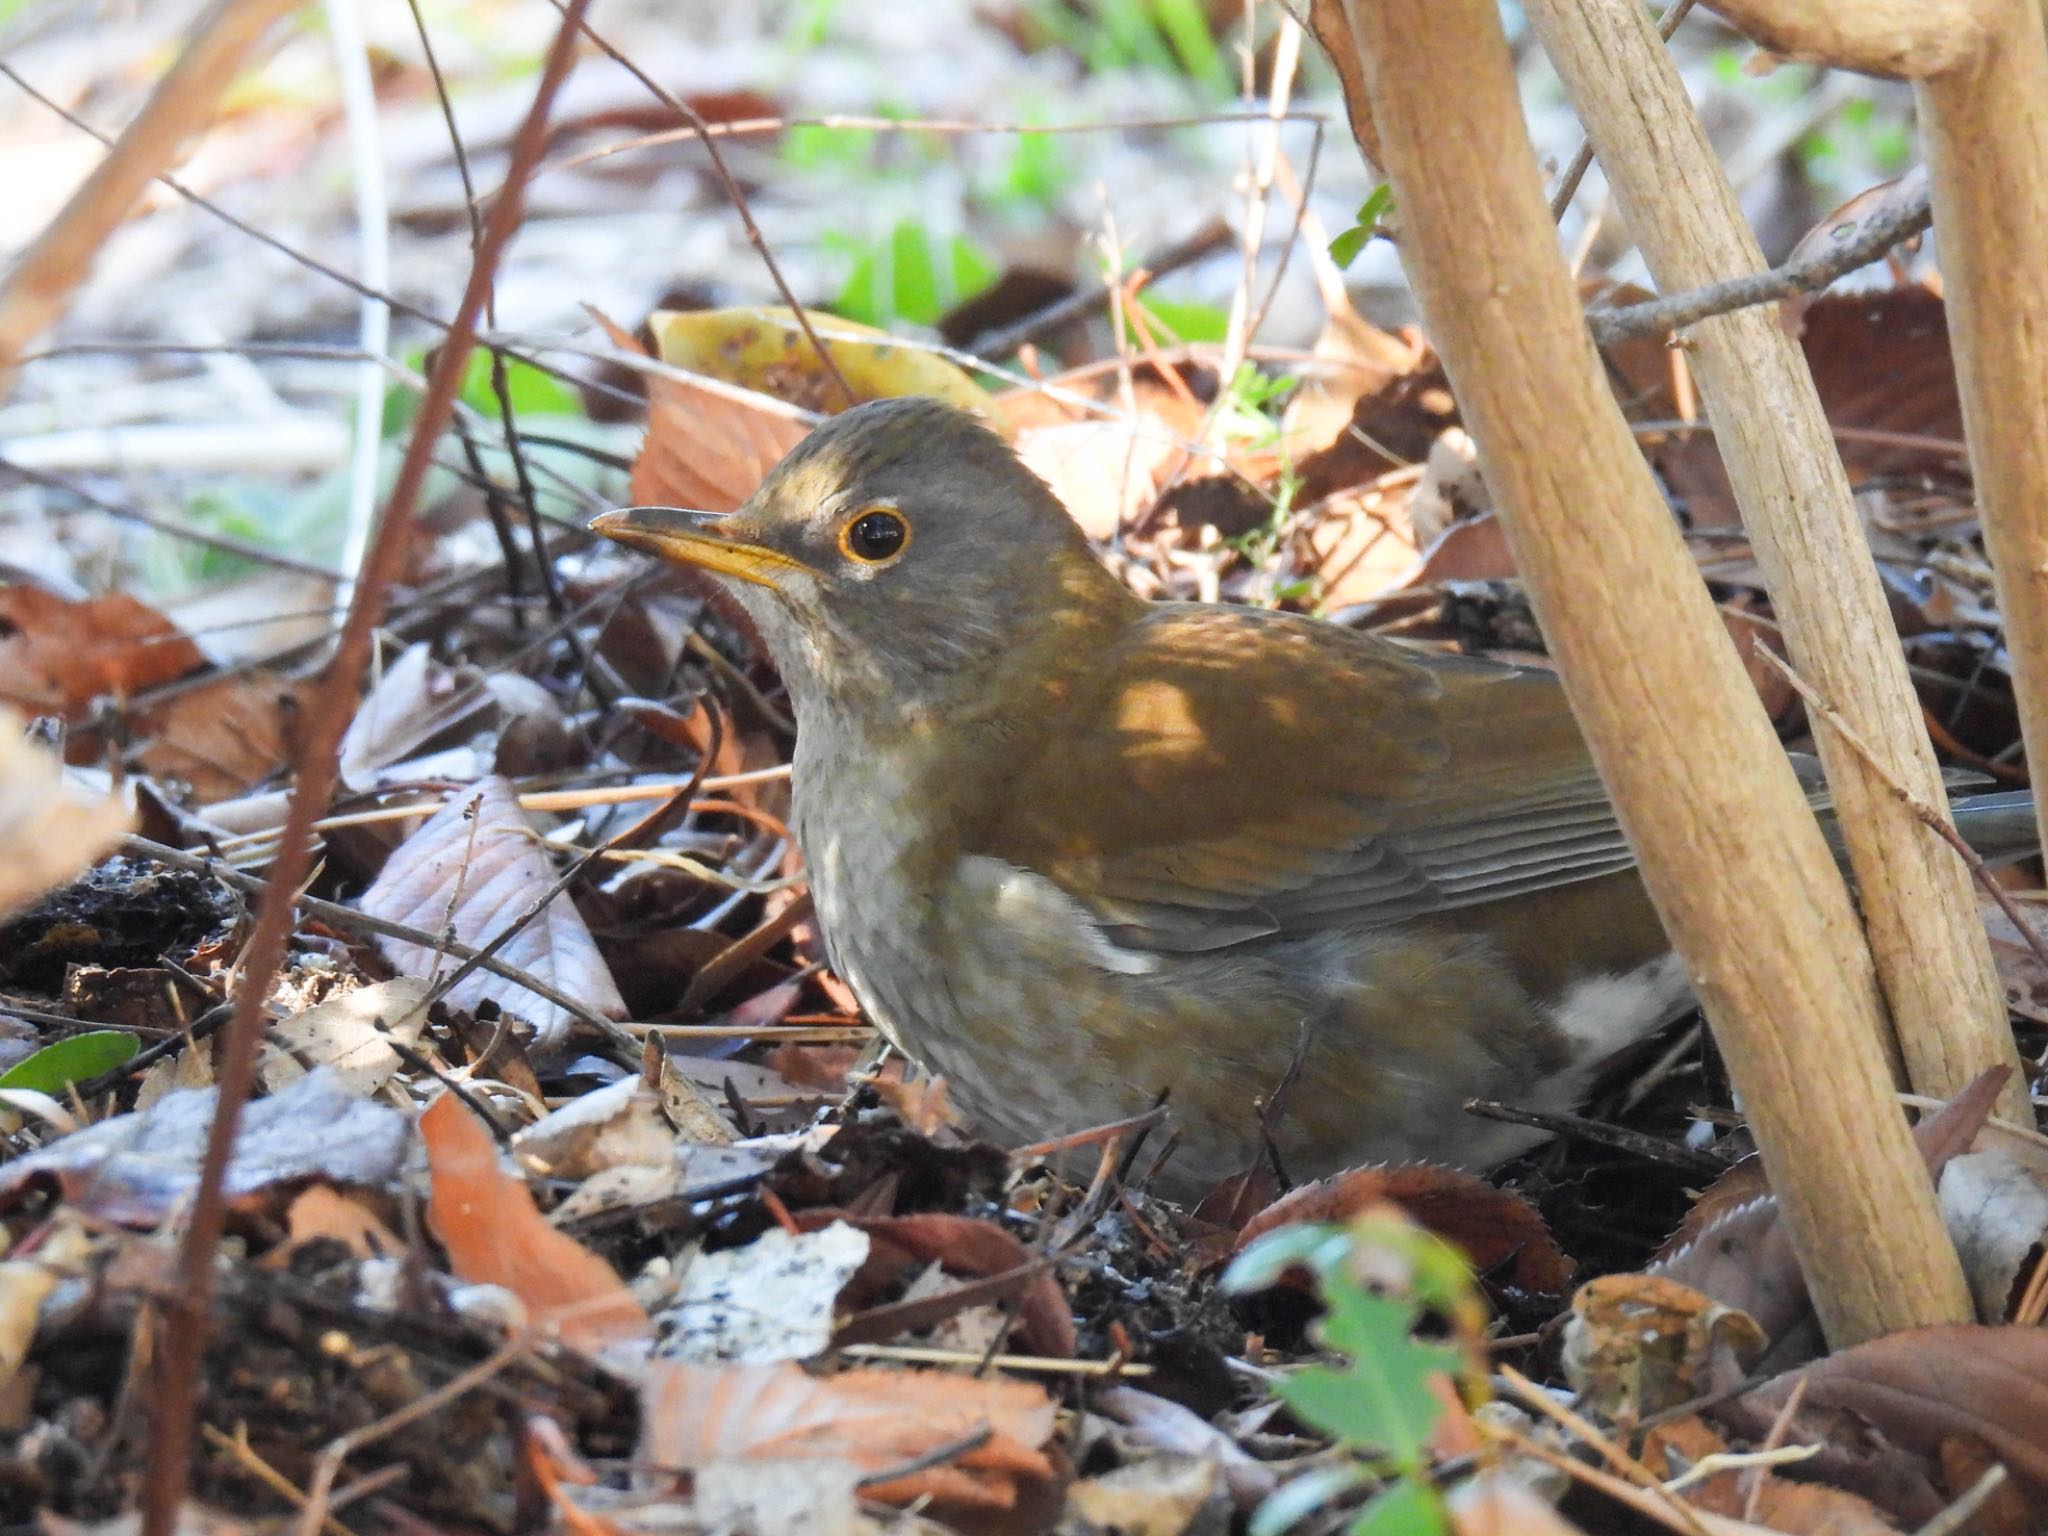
x: 876, y: 535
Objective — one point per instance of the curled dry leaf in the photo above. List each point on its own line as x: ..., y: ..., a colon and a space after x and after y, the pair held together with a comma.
x: 472, y: 870
x: 495, y: 1235
x: 1639, y: 1344
x: 57, y: 656
x: 873, y: 1421
x: 413, y: 702
x: 1996, y: 1209
x: 1734, y: 1248
x: 48, y: 834
x: 1494, y: 1228
x: 1757, y: 1495
x: 618, y: 1125
x: 137, y: 1169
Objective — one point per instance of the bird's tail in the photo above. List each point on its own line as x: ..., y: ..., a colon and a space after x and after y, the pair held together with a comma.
x: 2000, y: 827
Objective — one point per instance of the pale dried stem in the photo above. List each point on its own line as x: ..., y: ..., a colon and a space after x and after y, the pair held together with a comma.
x: 1732, y: 855
x: 1933, y: 960
x: 180, y: 106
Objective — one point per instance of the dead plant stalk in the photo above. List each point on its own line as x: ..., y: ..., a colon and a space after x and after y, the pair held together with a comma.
x: 332, y: 705
x: 1933, y: 960
x: 1733, y: 857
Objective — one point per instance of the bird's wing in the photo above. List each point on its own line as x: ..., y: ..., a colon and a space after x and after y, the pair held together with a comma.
x: 1230, y: 774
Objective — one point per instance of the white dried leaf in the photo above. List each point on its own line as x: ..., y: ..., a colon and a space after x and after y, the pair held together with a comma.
x: 771, y: 1300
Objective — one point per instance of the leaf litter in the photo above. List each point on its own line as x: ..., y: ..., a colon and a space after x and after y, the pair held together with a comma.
x: 718, y: 1266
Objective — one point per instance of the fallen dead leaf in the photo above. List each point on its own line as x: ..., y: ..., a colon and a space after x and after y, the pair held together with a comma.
x: 1639, y: 1344
x: 139, y: 1168
x: 57, y: 656
x: 471, y: 870
x: 49, y: 833
x: 1921, y: 1387
x: 871, y: 1421
x: 1494, y: 1228
x: 494, y: 1235
x: 964, y: 1247
x: 769, y: 1300
x: 351, y: 1034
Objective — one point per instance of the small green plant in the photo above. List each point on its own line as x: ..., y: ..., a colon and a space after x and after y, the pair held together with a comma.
x: 1169, y: 37
x: 913, y: 275
x: 1345, y: 248
x: 1379, y: 1276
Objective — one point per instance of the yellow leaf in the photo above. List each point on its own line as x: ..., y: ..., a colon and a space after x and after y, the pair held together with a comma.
x: 765, y: 349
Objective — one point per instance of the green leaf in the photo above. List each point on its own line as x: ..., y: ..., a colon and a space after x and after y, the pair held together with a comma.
x: 1188, y: 320
x: 1345, y: 248
x: 531, y: 392
x: 1381, y: 1402
x: 58, y: 1065
x: 1406, y: 1508
x: 1259, y: 1267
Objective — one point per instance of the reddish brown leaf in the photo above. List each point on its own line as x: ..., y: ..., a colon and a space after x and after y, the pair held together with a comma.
x: 1923, y: 1386
x: 961, y: 1246
x: 222, y: 737
x: 495, y: 1235
x: 57, y: 656
x: 1492, y: 1227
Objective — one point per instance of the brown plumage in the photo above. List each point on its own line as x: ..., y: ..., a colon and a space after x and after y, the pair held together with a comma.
x: 1075, y: 851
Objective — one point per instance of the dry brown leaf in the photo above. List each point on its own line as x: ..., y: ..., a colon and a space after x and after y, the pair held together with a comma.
x: 1492, y: 1227
x: 965, y: 1247
x: 322, y: 1211
x: 495, y: 1235
x: 1921, y: 1387
x: 1760, y: 1494
x: 136, y: 1169
x: 1639, y: 1344
x: 1105, y: 472
x: 222, y: 737
x: 472, y: 870
x: 619, y: 1125
x: 350, y: 1034
x: 1742, y: 1257
x: 48, y: 835
x: 57, y: 656
x: 705, y: 449
x: 697, y: 1416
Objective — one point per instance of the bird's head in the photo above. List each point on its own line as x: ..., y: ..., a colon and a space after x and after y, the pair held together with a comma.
x: 896, y: 554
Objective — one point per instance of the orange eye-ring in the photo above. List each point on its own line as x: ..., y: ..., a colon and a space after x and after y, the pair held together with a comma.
x: 874, y: 536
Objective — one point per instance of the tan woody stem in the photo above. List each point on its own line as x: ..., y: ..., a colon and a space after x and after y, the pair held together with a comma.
x: 1933, y: 960
x: 1733, y: 858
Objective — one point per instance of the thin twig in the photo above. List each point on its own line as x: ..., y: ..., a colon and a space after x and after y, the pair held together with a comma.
x: 1862, y: 242
x: 1926, y: 814
x: 1568, y: 184
x: 738, y: 199
x: 332, y: 704
x: 1952, y: 1519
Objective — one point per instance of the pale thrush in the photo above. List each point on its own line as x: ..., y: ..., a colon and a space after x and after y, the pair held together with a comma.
x: 1074, y: 850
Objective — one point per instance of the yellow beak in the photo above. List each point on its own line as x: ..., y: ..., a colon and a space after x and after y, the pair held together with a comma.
x: 684, y: 537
